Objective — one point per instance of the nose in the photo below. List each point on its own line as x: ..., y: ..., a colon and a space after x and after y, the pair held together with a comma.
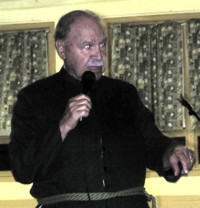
x: 97, y: 53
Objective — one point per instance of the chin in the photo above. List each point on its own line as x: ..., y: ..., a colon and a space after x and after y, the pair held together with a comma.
x: 97, y: 71
x: 98, y: 76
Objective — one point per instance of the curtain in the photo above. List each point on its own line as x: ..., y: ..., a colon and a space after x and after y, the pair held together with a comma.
x: 23, y: 60
x: 150, y: 57
x: 194, y: 67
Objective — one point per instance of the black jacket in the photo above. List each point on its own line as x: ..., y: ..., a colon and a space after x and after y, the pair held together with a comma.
x: 108, y: 151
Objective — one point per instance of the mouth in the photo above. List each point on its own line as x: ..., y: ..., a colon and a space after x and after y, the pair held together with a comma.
x: 95, y: 69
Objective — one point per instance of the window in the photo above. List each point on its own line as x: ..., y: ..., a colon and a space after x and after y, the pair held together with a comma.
x: 24, y: 58
x: 26, y: 52
x: 160, y: 55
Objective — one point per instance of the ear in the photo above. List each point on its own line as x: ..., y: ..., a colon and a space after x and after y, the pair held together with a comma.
x: 60, y: 47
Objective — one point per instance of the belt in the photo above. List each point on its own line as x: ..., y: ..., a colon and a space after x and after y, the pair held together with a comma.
x: 95, y: 196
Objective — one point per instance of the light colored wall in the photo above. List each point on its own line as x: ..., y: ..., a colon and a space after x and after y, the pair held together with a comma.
x: 12, y: 12
x: 29, y: 11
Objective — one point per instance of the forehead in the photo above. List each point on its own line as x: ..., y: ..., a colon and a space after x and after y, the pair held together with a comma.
x: 86, y: 29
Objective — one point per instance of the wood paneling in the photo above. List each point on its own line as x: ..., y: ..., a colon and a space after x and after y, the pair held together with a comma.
x: 178, y: 201
x: 18, y: 204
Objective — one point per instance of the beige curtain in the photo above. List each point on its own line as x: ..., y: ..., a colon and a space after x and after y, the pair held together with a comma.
x: 193, y: 27
x: 150, y: 57
x: 23, y: 60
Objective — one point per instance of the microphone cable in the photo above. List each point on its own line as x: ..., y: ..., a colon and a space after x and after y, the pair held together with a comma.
x: 84, y: 167
x: 87, y: 79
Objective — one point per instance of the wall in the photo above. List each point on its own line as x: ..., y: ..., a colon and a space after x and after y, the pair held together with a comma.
x: 187, y: 189
x: 50, y: 10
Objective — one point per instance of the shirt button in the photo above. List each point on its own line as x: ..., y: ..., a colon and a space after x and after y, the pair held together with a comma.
x: 101, y: 155
x: 103, y: 181
x: 101, y: 142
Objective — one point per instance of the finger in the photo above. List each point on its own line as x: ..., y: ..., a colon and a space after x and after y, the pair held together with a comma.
x: 190, y: 155
x: 186, y: 159
x: 80, y: 97
x: 174, y: 163
x: 191, y: 158
x: 75, y: 110
x: 79, y: 112
x: 79, y: 104
x: 184, y: 163
x: 77, y: 107
x: 83, y: 114
x: 182, y: 157
x: 176, y: 168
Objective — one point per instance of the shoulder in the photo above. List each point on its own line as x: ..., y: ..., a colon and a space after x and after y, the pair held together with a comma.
x: 42, y: 92
x: 43, y: 86
x: 118, y: 86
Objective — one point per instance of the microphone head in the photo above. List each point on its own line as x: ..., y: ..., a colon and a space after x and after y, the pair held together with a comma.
x: 88, y: 79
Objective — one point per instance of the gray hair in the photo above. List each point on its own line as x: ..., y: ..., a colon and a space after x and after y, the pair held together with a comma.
x: 64, y: 24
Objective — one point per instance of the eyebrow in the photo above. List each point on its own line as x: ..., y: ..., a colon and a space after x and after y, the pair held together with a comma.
x: 91, y: 41
x: 104, y: 40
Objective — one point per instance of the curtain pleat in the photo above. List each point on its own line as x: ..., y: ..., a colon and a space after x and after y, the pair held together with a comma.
x: 23, y: 60
x: 150, y: 57
x: 194, y: 67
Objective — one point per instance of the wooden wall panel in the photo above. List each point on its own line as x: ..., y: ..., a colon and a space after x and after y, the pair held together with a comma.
x: 18, y: 204
x: 178, y: 201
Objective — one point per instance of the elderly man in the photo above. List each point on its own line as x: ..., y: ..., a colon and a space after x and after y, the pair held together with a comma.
x: 83, y: 139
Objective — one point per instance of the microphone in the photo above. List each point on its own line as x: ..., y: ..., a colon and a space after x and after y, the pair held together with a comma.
x: 87, y: 79
x: 191, y: 111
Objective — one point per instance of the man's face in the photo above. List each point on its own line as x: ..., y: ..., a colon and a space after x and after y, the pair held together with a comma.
x: 85, y: 48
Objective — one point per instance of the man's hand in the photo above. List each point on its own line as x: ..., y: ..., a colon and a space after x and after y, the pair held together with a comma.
x: 77, y: 108
x: 181, y: 159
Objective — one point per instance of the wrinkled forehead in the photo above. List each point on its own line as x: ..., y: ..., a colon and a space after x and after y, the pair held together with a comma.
x: 86, y: 27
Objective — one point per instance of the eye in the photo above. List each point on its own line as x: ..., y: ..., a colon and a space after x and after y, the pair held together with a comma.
x: 88, y: 46
x: 103, y: 45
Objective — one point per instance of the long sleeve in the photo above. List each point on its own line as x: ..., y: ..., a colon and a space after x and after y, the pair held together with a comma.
x: 156, y: 144
x: 33, y: 150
